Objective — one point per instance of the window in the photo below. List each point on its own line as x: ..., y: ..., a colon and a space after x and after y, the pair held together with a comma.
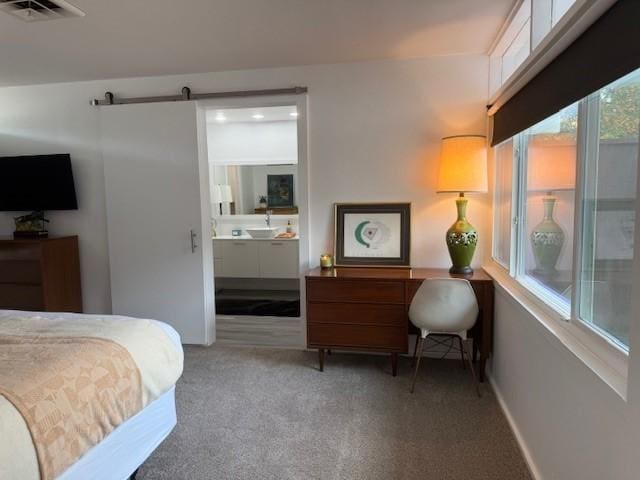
x: 611, y: 163
x: 550, y: 184
x: 502, y: 203
x: 569, y: 184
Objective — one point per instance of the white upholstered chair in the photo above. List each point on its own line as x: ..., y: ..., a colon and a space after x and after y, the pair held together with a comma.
x: 444, y: 307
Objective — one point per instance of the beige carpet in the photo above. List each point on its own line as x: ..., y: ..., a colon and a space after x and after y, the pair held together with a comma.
x: 250, y: 413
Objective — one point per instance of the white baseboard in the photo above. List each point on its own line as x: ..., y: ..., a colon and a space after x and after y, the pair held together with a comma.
x: 524, y: 449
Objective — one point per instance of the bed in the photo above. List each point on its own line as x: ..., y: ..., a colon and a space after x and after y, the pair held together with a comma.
x: 139, y: 410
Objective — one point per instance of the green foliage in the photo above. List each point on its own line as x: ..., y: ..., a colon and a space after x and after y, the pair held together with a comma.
x: 619, y: 113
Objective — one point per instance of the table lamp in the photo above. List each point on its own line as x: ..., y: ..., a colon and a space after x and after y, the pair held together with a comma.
x: 551, y: 168
x: 463, y: 168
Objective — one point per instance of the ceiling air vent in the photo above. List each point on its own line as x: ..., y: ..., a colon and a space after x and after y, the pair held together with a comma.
x: 38, y: 10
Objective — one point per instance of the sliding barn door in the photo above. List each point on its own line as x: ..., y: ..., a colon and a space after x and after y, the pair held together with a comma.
x: 157, y: 197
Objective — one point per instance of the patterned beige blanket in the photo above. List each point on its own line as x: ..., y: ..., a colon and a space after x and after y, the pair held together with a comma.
x: 71, y: 391
x: 66, y: 381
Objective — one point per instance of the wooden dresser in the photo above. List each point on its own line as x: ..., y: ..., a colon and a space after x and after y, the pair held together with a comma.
x: 40, y: 274
x: 367, y: 309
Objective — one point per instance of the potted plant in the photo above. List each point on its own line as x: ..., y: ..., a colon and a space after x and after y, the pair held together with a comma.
x: 263, y: 201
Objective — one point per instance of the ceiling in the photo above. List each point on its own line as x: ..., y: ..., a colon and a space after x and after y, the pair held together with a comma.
x: 127, y: 38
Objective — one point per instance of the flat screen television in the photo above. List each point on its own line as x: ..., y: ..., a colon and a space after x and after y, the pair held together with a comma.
x: 37, y: 182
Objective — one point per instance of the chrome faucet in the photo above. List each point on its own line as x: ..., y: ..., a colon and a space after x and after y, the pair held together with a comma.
x: 267, y: 218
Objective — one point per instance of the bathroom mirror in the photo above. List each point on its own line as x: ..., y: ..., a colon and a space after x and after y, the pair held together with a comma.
x: 253, y: 160
x: 254, y: 189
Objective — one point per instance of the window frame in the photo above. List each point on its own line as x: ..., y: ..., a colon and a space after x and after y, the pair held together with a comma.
x: 544, y: 294
x: 587, y: 149
x: 588, y: 153
x: 512, y: 217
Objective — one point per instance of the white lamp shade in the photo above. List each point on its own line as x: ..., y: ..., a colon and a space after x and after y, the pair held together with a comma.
x: 225, y: 191
x: 463, y: 164
x: 221, y: 194
x: 216, y: 194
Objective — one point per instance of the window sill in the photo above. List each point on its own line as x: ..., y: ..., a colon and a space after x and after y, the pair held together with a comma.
x: 606, y: 361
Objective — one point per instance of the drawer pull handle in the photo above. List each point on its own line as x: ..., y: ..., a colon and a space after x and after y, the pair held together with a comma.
x: 241, y: 244
x: 276, y: 243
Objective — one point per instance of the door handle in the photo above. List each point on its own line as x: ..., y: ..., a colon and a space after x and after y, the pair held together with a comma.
x: 194, y: 245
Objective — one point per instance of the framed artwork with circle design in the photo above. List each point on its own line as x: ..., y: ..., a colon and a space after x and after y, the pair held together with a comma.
x: 372, y: 234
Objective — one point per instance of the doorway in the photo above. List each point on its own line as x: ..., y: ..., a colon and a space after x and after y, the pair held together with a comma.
x: 256, y: 151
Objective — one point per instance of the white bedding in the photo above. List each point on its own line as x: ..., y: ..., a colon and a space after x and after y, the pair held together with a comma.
x: 129, y: 445
x: 158, y: 357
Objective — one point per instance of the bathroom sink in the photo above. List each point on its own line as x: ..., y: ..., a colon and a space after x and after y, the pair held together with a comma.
x: 262, y: 232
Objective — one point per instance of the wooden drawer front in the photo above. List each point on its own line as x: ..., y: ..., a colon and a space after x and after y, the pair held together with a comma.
x: 356, y: 314
x: 350, y: 291
x: 21, y: 297
x: 20, y: 271
x: 358, y: 336
x: 20, y: 252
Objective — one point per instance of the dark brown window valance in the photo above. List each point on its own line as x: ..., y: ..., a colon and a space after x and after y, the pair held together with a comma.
x: 606, y: 51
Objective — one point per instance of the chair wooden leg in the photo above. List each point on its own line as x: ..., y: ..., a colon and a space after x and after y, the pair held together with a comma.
x: 321, y: 358
x: 461, y: 350
x: 419, y: 356
x: 473, y: 372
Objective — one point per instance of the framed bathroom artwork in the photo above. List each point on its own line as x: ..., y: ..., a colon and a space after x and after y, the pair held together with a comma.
x: 280, y: 190
x: 373, y: 234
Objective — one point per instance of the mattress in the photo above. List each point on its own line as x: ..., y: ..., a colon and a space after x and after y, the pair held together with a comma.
x: 156, y: 350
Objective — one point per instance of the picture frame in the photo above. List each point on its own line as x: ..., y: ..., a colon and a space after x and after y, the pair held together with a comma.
x: 280, y: 190
x: 372, y: 234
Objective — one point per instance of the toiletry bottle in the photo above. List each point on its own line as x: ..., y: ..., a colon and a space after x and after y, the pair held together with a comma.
x: 289, y: 229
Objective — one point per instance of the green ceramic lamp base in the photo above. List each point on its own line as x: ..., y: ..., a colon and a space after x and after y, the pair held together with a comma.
x: 462, y: 239
x: 461, y: 270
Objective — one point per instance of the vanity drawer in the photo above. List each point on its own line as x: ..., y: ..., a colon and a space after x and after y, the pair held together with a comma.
x: 355, y: 291
x: 358, y: 336
x: 357, y: 314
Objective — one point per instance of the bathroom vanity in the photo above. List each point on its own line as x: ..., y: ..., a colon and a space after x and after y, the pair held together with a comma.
x: 247, y: 257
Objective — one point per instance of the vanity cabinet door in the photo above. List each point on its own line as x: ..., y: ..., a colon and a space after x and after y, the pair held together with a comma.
x: 278, y: 259
x: 240, y: 258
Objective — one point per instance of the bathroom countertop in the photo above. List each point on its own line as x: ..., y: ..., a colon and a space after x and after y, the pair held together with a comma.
x: 248, y: 237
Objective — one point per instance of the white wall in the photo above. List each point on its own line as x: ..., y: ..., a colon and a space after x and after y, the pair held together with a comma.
x: 574, y: 426
x: 240, y: 143
x: 374, y: 135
